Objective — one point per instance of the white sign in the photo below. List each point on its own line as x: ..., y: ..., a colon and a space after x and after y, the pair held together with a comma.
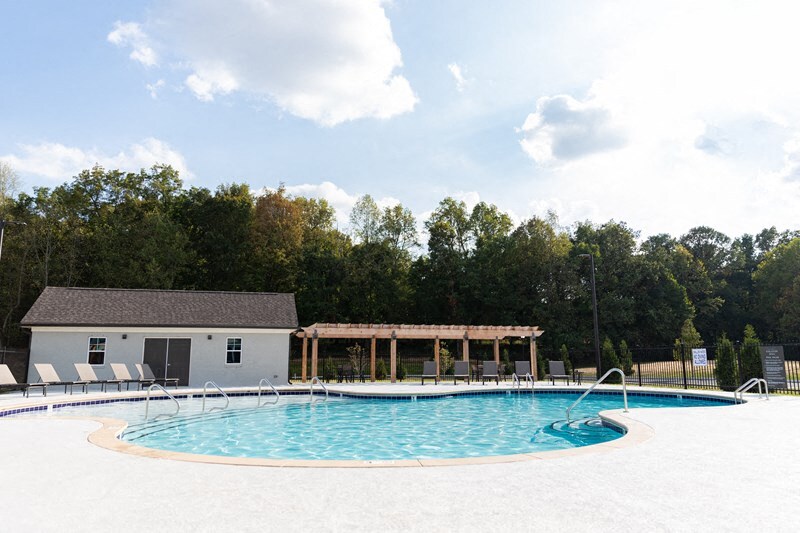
x: 699, y: 357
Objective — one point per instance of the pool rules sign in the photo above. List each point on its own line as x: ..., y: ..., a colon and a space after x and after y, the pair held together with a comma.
x: 772, y: 363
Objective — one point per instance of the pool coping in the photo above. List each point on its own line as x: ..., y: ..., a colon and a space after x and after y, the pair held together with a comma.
x: 107, y: 436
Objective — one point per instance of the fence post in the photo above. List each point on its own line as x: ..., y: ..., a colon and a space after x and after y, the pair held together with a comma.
x: 638, y: 366
x: 683, y: 365
x: 738, y: 348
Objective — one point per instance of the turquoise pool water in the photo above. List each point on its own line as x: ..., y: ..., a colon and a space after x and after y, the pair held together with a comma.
x: 377, y: 429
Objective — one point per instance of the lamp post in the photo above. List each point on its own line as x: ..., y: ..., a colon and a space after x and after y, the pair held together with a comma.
x: 594, y: 310
x: 3, y: 224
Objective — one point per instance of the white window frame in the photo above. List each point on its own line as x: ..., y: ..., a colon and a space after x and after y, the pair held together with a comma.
x: 228, y: 350
x: 89, y: 350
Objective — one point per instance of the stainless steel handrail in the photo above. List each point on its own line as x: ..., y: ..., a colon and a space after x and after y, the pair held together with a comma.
x: 227, y: 400
x: 268, y: 382
x: 319, y: 382
x: 515, y: 379
x: 599, y: 381
x: 170, y: 396
x: 752, y: 382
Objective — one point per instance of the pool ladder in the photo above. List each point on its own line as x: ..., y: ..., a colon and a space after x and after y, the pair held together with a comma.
x: 205, y: 389
x: 271, y: 386
x: 516, y: 383
x: 598, y: 382
x: 319, y: 382
x: 752, y: 382
x: 170, y: 396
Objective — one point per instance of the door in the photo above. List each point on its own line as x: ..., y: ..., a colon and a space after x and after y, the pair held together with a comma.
x: 169, y: 358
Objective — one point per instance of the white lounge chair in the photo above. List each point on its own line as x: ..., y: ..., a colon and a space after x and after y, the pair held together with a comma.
x: 145, y: 373
x: 87, y: 373
x: 48, y: 374
x: 122, y: 373
x: 7, y: 380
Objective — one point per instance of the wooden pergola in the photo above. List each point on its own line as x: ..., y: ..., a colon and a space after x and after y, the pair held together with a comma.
x: 411, y: 331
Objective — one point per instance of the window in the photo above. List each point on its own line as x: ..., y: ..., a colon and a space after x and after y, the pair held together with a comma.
x: 234, y: 353
x: 97, y: 350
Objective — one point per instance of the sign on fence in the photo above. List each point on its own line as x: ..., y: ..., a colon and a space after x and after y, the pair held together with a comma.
x: 699, y: 357
x: 774, y: 366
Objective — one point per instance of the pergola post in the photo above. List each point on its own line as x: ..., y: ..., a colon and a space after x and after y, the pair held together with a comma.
x: 534, y: 362
x: 393, y: 356
x: 372, y: 359
x: 497, y: 351
x: 303, y: 373
x: 314, y: 351
x: 436, y: 356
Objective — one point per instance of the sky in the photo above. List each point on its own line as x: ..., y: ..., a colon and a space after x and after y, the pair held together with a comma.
x: 663, y: 115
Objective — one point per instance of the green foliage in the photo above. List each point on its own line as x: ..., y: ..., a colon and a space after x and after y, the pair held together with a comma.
x: 609, y: 360
x: 625, y: 358
x: 750, y: 355
x: 725, y: 365
x: 445, y: 361
x: 380, y: 369
x: 565, y: 358
x: 401, y: 371
x: 142, y: 229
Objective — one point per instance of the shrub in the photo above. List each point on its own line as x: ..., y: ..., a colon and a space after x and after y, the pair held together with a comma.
x: 609, y: 360
x: 565, y: 359
x: 401, y: 371
x: 445, y: 361
x: 380, y: 369
x: 540, y: 366
x: 725, y: 367
x: 625, y: 358
x: 751, y: 355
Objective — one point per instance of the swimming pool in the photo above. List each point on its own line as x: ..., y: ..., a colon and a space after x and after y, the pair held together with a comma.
x: 374, y: 429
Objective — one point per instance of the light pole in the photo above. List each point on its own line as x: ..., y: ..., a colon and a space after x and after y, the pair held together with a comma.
x: 594, y: 309
x: 3, y: 224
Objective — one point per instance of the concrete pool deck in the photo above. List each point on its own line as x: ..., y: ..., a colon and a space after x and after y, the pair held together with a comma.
x: 727, y: 468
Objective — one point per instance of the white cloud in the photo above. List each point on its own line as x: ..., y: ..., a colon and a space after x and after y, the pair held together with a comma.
x: 563, y: 129
x: 458, y: 76
x: 59, y: 162
x: 131, y: 34
x: 154, y: 88
x: 330, y: 61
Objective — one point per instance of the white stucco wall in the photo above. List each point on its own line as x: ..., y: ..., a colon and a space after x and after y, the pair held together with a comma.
x: 265, y: 353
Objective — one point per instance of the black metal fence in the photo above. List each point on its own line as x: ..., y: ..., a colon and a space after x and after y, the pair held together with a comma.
x: 673, y: 366
x: 17, y: 361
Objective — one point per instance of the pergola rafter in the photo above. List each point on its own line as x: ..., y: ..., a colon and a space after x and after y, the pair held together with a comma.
x: 411, y: 331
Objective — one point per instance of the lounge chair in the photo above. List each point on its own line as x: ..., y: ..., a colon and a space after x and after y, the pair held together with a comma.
x: 490, y: 371
x: 429, y: 371
x: 461, y: 370
x: 521, y: 368
x: 7, y: 380
x: 87, y: 373
x: 122, y: 373
x: 48, y: 374
x: 557, y: 371
x: 145, y: 373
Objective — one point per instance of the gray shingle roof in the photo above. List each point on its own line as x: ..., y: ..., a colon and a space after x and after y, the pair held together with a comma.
x: 61, y: 306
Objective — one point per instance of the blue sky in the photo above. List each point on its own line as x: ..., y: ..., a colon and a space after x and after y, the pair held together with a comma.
x: 665, y: 116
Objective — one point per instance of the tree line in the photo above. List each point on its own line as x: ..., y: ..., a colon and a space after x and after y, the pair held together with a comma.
x: 110, y: 228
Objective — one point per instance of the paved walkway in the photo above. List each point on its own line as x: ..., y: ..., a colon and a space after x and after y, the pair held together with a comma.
x: 730, y: 468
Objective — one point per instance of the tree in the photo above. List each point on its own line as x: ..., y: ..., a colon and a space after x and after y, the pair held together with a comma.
x: 565, y: 359
x: 398, y: 227
x: 9, y: 183
x: 365, y: 220
x: 750, y: 355
x: 625, y: 358
x: 609, y: 360
x: 725, y: 364
x: 777, y: 291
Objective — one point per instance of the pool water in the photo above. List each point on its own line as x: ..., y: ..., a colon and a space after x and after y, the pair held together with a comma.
x: 377, y: 429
